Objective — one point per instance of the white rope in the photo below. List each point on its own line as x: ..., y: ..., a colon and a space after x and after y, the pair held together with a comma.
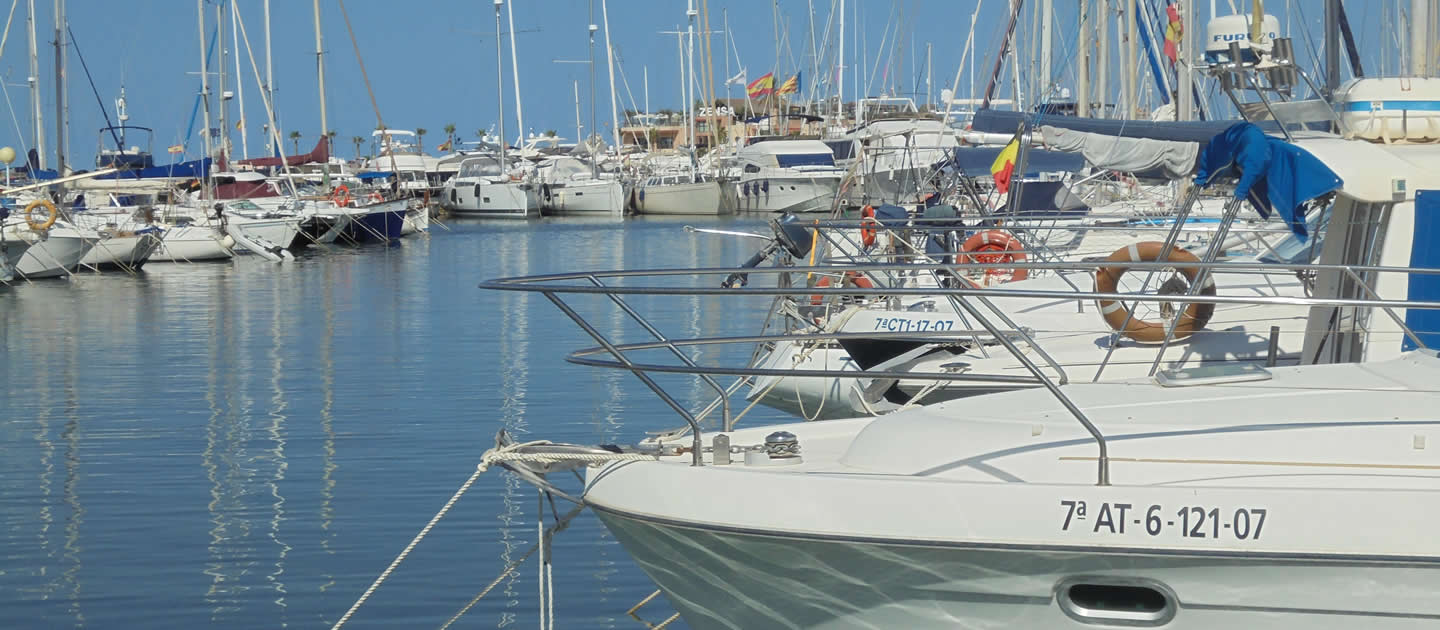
x: 501, y: 454
x: 408, y: 548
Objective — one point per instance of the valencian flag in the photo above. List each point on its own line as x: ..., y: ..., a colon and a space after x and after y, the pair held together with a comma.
x: 761, y: 86
x: 790, y: 86
x: 1174, y: 30
x: 1004, y: 165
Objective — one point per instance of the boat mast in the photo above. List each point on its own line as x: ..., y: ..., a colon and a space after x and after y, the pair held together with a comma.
x: 1047, y: 11
x: 1082, y: 74
x: 60, y: 45
x: 38, y: 120
x: 690, y: 78
x: 499, y: 83
x: 1004, y: 50
x: 577, y: 110
x: 239, y: 84
x: 1102, y: 67
x: 515, y: 74
x: 1131, y: 73
x: 610, y: 63
x: 840, y: 61
x: 204, y: 79
x: 320, y: 77
x: 220, y: 70
x: 1186, y: 109
x: 269, y: 88
x: 591, y: 29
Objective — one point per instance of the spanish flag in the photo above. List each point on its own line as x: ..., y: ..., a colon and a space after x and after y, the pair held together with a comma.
x: 790, y: 86
x: 444, y: 146
x: 761, y: 86
x: 1004, y: 165
x: 1174, y: 30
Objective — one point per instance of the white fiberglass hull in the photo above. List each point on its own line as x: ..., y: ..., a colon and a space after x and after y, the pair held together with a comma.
x: 281, y: 232
x: 126, y: 253
x: 483, y: 198
x: 794, y: 194
x: 55, y: 256
x: 583, y: 197
x: 191, y: 243
x: 729, y: 580
x: 701, y: 198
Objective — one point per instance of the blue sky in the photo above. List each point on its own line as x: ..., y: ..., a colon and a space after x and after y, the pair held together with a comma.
x: 432, y: 62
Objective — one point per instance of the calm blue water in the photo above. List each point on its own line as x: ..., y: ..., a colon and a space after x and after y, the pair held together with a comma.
x: 246, y: 445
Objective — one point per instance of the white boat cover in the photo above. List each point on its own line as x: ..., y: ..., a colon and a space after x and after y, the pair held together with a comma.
x: 1130, y: 155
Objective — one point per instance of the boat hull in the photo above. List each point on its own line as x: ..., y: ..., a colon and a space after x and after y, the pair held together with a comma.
x: 701, y: 198
x: 731, y: 579
x: 508, y: 200
x: 378, y: 224
x: 53, y: 257
x: 122, y: 253
x: 192, y: 243
x: 797, y: 195
x: 602, y: 197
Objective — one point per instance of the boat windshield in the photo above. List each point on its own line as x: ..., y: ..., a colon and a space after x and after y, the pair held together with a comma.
x: 480, y: 167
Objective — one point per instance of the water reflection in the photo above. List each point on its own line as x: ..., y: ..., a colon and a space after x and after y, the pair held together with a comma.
x: 513, y: 355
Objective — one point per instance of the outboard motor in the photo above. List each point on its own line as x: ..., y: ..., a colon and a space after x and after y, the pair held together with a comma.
x: 790, y: 234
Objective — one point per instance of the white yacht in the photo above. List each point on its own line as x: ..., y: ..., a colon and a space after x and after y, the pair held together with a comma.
x: 482, y: 188
x: 787, y: 176
x: 892, y: 158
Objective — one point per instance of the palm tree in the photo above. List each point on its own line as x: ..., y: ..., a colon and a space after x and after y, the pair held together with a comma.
x: 450, y: 135
x: 420, y: 138
x: 295, y: 140
x: 357, y: 141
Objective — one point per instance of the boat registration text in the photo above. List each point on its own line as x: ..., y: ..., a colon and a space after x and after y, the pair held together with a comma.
x: 1189, y: 521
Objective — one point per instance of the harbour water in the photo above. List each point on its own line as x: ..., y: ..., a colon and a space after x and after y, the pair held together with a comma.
x: 247, y: 445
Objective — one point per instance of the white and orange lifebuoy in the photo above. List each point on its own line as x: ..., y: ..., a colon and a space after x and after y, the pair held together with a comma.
x: 41, y: 223
x: 995, y: 247
x: 341, y: 195
x: 1123, y: 320
x: 851, y: 278
x: 375, y: 197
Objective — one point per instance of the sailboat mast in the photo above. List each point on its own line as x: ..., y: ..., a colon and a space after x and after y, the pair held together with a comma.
x: 1047, y: 12
x: 239, y: 83
x: 577, y: 110
x: 610, y: 63
x: 204, y: 74
x: 1082, y: 73
x: 37, y: 118
x: 499, y: 83
x: 592, y: 28
x: 60, y: 45
x: 320, y: 77
x: 840, y: 69
x: 1419, y: 36
x: 515, y: 75
x: 1102, y: 67
x: 269, y: 67
x: 1131, y: 72
x: 220, y: 71
x: 690, y: 73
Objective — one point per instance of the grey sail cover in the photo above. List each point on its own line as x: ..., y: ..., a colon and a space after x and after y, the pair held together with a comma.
x: 1130, y: 155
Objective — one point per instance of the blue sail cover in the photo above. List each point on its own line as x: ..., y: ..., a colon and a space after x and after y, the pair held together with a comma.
x: 1424, y: 254
x: 184, y: 170
x: 1274, y: 175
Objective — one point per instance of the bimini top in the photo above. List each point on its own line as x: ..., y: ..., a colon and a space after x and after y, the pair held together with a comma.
x: 788, y: 153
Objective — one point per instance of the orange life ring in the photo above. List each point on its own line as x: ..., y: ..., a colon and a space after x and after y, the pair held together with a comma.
x: 995, y: 247
x: 341, y: 195
x: 869, y: 227
x: 850, y: 278
x: 1121, y: 319
x: 375, y: 197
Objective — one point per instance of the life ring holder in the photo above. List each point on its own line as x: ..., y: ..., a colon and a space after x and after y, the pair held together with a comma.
x: 851, y: 278
x: 1122, y: 320
x: 995, y: 247
x: 51, y: 214
x: 341, y: 195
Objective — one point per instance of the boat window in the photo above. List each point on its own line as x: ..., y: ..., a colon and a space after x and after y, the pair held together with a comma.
x: 752, y: 168
x: 1106, y: 601
x: 787, y: 160
x: 482, y: 167
x: 842, y: 149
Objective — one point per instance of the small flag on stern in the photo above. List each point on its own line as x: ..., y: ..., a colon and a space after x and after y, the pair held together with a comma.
x: 790, y: 86
x: 1004, y: 165
x: 761, y: 86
